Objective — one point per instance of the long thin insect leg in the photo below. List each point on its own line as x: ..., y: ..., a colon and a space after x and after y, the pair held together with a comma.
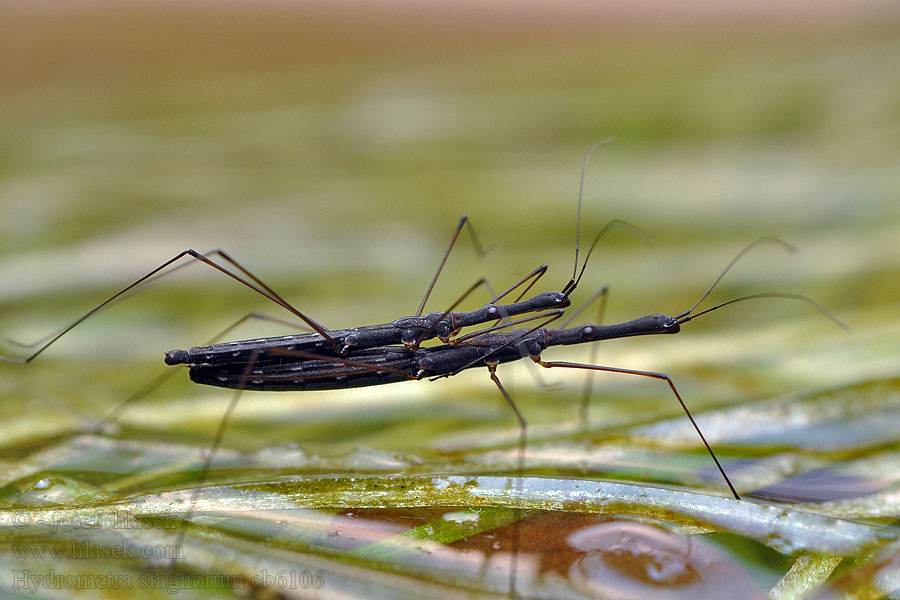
x: 214, y: 447
x: 654, y: 375
x: 201, y: 258
x: 551, y: 316
x: 246, y: 375
x: 223, y: 424
x: 532, y: 369
x: 135, y: 290
x: 150, y: 281
x: 254, y: 315
x: 534, y: 276
x: 481, y: 282
x: 243, y: 270
x: 588, y: 390
x: 523, y: 440
x: 478, y: 248
x: 317, y: 327
x: 151, y: 386
x: 470, y: 336
x: 603, y: 295
x: 472, y: 288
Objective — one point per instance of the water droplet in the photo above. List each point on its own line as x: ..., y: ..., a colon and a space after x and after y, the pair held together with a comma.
x: 625, y: 559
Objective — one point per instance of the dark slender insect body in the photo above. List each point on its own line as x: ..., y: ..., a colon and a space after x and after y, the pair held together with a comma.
x: 289, y: 367
x: 409, y: 331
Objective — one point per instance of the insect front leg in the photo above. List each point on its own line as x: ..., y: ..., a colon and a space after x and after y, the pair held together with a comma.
x: 251, y: 281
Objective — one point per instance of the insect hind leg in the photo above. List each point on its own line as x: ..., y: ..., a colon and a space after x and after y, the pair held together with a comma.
x: 520, y: 480
x: 210, y: 454
x: 159, y: 380
x: 671, y: 384
x: 603, y: 296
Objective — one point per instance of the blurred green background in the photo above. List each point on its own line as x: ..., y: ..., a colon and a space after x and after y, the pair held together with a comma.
x: 332, y: 151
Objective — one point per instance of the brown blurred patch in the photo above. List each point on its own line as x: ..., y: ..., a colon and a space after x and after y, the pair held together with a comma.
x: 56, y: 42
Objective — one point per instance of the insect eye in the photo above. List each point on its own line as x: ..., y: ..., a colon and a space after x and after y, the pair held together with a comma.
x: 492, y: 311
x: 408, y: 337
x: 587, y: 333
x: 442, y: 330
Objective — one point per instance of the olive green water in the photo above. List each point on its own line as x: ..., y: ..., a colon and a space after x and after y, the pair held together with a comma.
x: 333, y: 155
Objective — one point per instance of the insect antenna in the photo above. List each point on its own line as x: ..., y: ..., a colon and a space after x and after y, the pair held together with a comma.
x: 576, y: 274
x: 570, y: 287
x: 584, y: 162
x: 759, y: 242
x: 803, y: 298
x: 686, y: 316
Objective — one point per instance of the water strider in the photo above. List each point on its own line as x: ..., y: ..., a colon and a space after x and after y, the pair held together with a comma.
x: 283, y: 364
x: 392, y: 352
